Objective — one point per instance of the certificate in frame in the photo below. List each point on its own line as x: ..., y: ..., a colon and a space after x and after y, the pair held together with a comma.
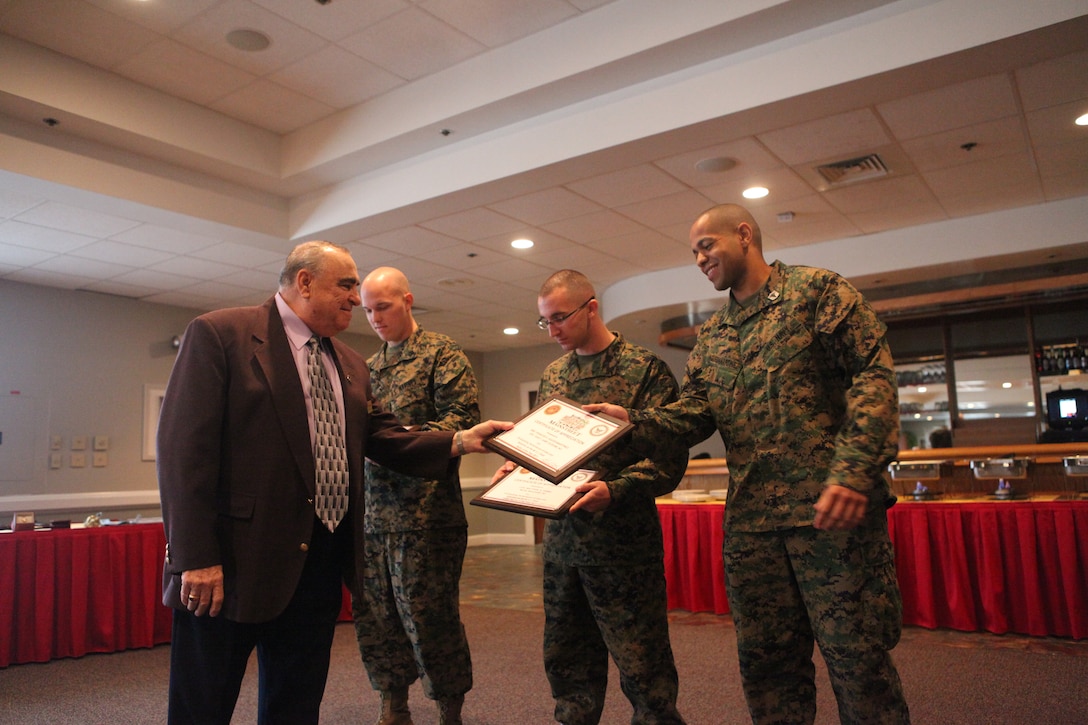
x: 523, y: 492
x: 556, y: 438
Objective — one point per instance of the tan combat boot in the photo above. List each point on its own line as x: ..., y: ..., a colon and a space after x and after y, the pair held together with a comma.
x: 395, y: 708
x: 449, y: 710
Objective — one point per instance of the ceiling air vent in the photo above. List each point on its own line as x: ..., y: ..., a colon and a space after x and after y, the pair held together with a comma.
x: 862, y: 168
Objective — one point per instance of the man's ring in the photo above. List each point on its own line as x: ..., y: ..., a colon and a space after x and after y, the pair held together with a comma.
x: 192, y: 598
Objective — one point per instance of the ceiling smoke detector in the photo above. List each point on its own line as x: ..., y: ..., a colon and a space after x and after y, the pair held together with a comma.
x: 849, y: 171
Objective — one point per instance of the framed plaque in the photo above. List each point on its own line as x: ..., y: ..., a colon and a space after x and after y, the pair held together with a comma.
x: 522, y: 491
x: 556, y: 438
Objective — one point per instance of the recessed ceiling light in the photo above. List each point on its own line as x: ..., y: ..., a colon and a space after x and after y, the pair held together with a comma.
x: 248, y: 40
x: 755, y: 192
x: 715, y: 164
x: 1006, y: 385
x: 510, y: 330
x: 522, y: 243
x: 1083, y: 120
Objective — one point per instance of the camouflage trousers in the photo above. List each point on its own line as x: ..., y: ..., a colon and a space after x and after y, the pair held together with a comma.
x: 408, y: 621
x: 790, y: 588
x: 593, y: 611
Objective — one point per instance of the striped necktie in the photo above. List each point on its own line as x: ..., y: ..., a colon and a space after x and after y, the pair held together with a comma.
x: 330, y: 455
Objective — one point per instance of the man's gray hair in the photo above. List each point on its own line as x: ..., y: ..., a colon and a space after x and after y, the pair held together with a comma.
x: 309, y: 256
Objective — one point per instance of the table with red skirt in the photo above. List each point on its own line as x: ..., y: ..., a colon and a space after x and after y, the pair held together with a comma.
x: 997, y: 566
x: 1002, y: 566
x: 70, y: 592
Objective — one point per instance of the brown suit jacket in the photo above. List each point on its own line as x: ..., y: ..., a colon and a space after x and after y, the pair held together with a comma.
x: 236, y: 470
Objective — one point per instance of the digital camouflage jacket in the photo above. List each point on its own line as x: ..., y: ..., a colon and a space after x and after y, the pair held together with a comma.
x: 801, y: 386
x: 628, y: 531
x: 426, y: 382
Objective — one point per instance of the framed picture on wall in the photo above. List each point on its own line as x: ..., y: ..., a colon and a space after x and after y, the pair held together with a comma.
x: 153, y: 395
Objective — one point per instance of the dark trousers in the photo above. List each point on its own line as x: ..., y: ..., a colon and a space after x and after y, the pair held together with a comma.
x: 208, y: 655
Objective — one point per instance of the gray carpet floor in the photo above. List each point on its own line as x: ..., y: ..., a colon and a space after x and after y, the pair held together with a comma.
x: 950, y: 678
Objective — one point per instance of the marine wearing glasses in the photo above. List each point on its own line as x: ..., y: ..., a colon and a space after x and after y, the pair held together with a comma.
x: 558, y: 320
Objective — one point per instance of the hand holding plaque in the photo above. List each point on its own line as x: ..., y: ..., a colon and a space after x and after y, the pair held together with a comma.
x: 557, y: 438
x: 522, y: 491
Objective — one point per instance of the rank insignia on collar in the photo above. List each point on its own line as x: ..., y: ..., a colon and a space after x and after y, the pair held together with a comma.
x: 772, y: 295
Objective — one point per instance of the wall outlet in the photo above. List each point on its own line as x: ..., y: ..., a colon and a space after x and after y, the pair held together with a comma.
x: 101, y: 443
x: 79, y: 443
x: 78, y: 460
x: 56, y: 460
x: 101, y: 458
x: 56, y: 443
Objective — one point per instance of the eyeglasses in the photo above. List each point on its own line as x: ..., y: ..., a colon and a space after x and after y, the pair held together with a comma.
x: 558, y: 320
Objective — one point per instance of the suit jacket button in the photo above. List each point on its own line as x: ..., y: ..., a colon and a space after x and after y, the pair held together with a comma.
x: 304, y: 547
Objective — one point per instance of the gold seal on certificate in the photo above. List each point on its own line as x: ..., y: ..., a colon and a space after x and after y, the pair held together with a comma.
x: 556, y: 438
x: 524, y: 492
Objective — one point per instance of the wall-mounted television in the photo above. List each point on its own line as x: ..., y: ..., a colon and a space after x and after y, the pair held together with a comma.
x: 1067, y: 409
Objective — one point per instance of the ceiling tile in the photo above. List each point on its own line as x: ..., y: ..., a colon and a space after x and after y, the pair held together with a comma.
x: 269, y: 105
x: 119, y: 289
x: 986, y: 174
x: 412, y: 44
x: 198, y: 269
x: 75, y: 266
x: 1022, y: 191
x: 183, y: 71
x: 960, y: 104
x: 336, y: 77
x: 647, y: 249
x: 1066, y: 159
x: 842, y: 136
x: 750, y: 155
x: 241, y: 255
x: 665, y: 210
x: 74, y: 219
x: 208, y: 33
x: 36, y: 237
x: 546, y: 206
x: 590, y: 227
x: 109, y: 251
x: 1057, y: 124
x: 155, y: 279
x: 13, y: 203
x: 783, y: 183
x: 47, y: 278
x: 162, y: 17
x: 153, y: 236
x: 14, y: 255
x: 627, y: 185
x: 411, y: 241
x: 1054, y: 82
x: 880, y: 194
x: 496, y: 22
x: 254, y: 280
x: 334, y: 20
x: 908, y: 214
x: 994, y: 138
x: 473, y: 224
x: 75, y: 28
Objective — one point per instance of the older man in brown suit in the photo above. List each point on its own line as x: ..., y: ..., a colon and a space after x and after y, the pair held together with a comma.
x: 250, y: 562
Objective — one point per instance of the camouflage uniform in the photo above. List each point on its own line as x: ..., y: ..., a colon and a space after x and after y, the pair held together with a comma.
x: 604, y: 575
x: 408, y: 624
x: 799, y: 382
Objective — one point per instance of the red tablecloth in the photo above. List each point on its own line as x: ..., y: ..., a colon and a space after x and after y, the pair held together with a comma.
x: 67, y: 593
x: 694, y: 575
x: 999, y: 567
